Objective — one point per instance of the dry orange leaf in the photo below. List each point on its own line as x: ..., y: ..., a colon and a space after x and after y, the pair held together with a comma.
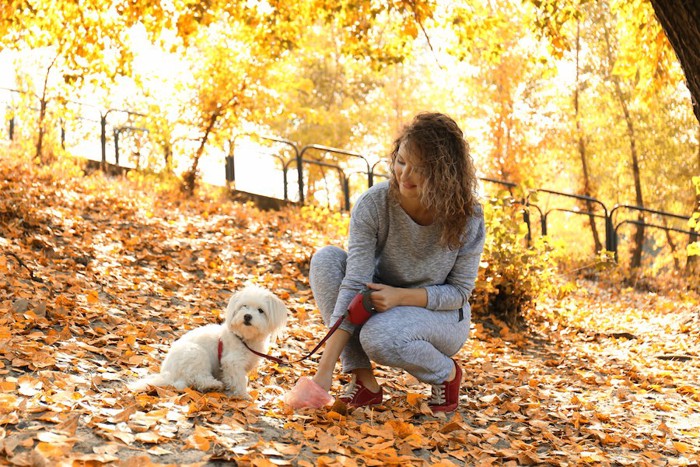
x: 401, y: 429
x: 8, y: 386
x: 197, y: 441
x: 414, y: 399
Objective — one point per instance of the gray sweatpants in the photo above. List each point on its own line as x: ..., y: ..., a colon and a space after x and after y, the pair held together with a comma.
x: 415, y: 339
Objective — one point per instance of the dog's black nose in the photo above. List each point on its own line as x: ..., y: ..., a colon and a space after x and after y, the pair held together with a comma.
x: 247, y: 318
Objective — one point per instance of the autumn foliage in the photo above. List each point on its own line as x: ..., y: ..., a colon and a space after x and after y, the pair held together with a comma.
x: 99, y: 274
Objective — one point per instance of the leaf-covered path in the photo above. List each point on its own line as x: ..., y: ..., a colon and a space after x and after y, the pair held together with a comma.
x: 98, y: 276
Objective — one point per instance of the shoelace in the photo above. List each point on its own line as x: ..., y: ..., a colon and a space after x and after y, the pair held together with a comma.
x: 351, y: 391
x: 438, y: 395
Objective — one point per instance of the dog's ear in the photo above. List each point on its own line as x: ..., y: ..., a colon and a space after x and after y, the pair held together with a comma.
x: 233, y: 305
x: 278, y: 314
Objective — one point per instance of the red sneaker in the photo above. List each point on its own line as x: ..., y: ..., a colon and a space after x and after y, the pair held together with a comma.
x: 357, y: 395
x: 445, y: 396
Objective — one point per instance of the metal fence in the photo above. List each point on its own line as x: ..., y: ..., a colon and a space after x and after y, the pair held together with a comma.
x: 353, y: 173
x: 84, y: 129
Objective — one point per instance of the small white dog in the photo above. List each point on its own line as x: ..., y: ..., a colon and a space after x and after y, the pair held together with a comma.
x: 218, y: 356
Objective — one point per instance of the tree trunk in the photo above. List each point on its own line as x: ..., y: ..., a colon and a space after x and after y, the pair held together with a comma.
x: 639, y: 199
x: 40, y: 137
x: 582, y: 148
x: 42, y: 113
x: 674, y: 248
x: 693, y: 260
x: 168, y: 155
x: 639, y: 235
x: 190, y: 177
x: 681, y: 22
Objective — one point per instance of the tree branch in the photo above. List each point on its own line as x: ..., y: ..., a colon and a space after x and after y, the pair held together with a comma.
x: 21, y: 263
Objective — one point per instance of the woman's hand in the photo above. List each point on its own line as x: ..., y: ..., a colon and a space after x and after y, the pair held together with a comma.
x: 385, y: 297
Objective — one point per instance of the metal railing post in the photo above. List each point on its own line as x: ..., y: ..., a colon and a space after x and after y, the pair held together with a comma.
x: 610, y: 236
x: 229, y: 160
x: 231, y: 169
x: 643, y: 223
x: 115, y: 133
x: 300, y: 172
x: 300, y: 177
x: 63, y: 135
x: 344, y: 179
x: 372, y: 169
x: 346, y: 183
x: 103, y: 138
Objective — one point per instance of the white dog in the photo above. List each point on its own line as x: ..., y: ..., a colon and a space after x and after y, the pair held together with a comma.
x: 218, y: 356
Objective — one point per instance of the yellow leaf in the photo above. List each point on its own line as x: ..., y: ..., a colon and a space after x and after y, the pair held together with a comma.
x: 611, y: 439
x: 29, y: 387
x: 263, y: 463
x: 52, y: 450
x: 8, y: 402
x: 660, y: 405
x: 686, y: 390
x: 7, y: 386
x: 53, y: 438
x: 197, y: 442
x: 591, y: 457
x: 400, y: 429
x: 148, y: 437
x: 69, y: 426
x: 334, y: 414
x: 126, y: 438
x: 450, y: 427
x: 199, y: 439
x: 681, y: 447
x: 93, y: 297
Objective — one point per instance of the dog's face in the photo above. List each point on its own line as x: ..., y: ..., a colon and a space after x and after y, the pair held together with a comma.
x: 255, y: 314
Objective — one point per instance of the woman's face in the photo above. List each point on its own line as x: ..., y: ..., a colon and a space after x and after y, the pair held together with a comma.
x: 409, y: 181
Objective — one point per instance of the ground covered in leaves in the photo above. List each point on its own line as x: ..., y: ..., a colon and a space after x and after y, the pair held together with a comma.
x: 98, y: 275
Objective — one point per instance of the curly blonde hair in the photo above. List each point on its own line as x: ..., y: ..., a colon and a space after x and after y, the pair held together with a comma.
x: 447, y: 169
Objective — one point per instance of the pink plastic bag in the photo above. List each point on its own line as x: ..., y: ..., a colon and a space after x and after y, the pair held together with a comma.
x: 307, y: 394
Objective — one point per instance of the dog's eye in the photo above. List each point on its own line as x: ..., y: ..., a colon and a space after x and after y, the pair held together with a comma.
x: 261, y: 310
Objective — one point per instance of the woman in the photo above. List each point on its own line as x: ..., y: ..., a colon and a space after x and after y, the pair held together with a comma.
x: 415, y: 241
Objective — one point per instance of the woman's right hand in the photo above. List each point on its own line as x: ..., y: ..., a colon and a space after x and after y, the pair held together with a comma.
x: 384, y: 297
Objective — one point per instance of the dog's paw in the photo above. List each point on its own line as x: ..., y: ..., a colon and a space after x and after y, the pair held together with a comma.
x: 210, y: 385
x: 240, y: 395
x: 217, y: 387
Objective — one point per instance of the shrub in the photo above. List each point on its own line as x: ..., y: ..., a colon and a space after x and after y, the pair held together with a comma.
x: 514, y: 272
x: 694, y: 222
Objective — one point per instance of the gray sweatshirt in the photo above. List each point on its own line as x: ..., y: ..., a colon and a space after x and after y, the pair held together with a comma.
x: 386, y: 246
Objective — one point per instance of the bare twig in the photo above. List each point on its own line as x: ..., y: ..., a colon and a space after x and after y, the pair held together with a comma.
x: 21, y: 263
x: 425, y: 33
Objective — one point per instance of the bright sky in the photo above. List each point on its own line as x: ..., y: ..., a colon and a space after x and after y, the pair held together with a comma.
x: 7, y: 70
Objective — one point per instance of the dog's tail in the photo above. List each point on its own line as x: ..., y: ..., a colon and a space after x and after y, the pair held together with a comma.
x: 157, y: 379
